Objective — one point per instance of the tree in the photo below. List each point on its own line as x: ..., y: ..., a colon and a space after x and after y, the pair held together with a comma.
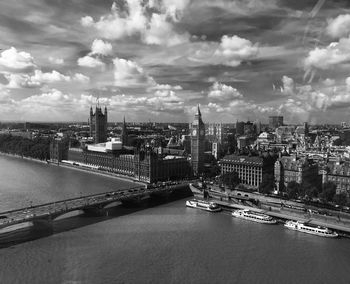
x: 38, y: 148
x: 328, y: 191
x: 231, y: 179
x: 340, y: 199
x: 309, y: 190
x: 293, y: 189
x: 267, y: 184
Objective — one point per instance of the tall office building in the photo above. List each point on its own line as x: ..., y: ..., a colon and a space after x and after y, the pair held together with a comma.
x: 275, y: 121
x: 197, y: 143
x: 98, y: 125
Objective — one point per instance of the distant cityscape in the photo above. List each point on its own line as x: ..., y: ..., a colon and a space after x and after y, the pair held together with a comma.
x: 298, y: 160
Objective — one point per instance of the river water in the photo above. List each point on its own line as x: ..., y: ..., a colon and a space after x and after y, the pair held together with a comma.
x: 168, y: 243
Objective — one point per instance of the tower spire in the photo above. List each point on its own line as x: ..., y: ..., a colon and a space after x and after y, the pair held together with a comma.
x: 198, y: 111
x: 98, y: 101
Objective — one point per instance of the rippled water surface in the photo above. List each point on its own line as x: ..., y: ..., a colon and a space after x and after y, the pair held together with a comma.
x: 168, y: 243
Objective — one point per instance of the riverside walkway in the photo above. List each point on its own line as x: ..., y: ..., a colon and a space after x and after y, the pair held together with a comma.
x: 340, y: 223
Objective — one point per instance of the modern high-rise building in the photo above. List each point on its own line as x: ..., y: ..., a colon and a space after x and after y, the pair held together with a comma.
x: 275, y: 121
x: 197, y: 143
x: 98, y: 125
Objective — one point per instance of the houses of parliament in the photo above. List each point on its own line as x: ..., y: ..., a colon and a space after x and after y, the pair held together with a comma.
x: 143, y: 163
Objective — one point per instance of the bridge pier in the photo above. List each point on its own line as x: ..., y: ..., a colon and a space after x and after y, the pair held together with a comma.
x: 42, y: 225
x: 95, y: 211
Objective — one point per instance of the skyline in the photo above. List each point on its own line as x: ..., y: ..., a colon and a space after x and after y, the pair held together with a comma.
x: 156, y: 60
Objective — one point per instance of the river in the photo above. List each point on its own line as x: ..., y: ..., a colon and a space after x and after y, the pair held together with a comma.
x: 168, y: 243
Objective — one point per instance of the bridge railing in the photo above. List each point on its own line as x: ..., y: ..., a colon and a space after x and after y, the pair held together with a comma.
x: 70, y: 199
x: 111, y: 193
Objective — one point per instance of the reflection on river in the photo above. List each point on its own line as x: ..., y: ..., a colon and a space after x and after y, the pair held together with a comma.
x: 168, y: 243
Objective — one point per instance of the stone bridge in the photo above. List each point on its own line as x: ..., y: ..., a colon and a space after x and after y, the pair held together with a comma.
x: 94, y: 204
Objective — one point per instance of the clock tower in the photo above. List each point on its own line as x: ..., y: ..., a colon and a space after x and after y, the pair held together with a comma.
x: 197, y: 143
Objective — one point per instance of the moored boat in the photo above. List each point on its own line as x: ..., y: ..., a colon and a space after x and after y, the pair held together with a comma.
x: 254, y: 216
x: 310, y: 229
x: 204, y: 205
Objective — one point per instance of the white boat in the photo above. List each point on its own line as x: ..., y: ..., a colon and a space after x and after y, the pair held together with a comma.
x: 204, y: 205
x: 310, y: 229
x: 253, y: 216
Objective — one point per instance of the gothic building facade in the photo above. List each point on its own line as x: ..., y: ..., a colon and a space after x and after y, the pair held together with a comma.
x: 98, y: 124
x: 143, y: 164
x: 197, y: 143
x: 297, y: 169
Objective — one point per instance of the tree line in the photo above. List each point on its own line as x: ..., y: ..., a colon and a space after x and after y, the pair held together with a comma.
x: 37, y: 148
x: 307, y: 190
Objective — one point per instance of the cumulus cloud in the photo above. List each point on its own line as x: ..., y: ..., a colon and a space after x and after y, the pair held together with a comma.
x: 238, y: 109
x: 330, y: 56
x: 128, y: 73
x: 87, y: 21
x: 52, y: 98
x: 235, y: 49
x: 91, y: 62
x: 156, y: 28
x: 288, y: 85
x: 16, y: 80
x: 165, y: 100
x: 171, y: 8
x: 101, y: 47
x: 58, y: 61
x: 13, y: 60
x: 339, y: 26
x: 347, y: 81
x: 161, y: 32
x: 166, y: 87
x: 222, y: 92
x: 230, y: 51
x: 310, y: 100
x: 49, y: 77
x: 328, y: 82
x: 81, y: 78
x: 117, y: 24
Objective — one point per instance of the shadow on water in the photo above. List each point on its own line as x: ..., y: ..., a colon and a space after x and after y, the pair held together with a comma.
x: 42, y: 230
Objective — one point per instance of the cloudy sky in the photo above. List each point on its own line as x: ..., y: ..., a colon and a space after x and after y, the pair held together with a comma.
x: 157, y: 59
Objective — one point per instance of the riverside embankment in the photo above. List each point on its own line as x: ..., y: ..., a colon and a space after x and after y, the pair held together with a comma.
x: 336, y: 221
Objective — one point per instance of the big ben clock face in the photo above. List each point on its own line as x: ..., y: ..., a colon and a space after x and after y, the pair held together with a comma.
x: 194, y: 132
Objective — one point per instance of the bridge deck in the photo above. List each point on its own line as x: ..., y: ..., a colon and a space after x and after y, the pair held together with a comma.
x: 53, y: 209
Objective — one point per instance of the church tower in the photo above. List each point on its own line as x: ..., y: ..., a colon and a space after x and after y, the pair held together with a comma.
x: 197, y: 143
x: 98, y: 124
